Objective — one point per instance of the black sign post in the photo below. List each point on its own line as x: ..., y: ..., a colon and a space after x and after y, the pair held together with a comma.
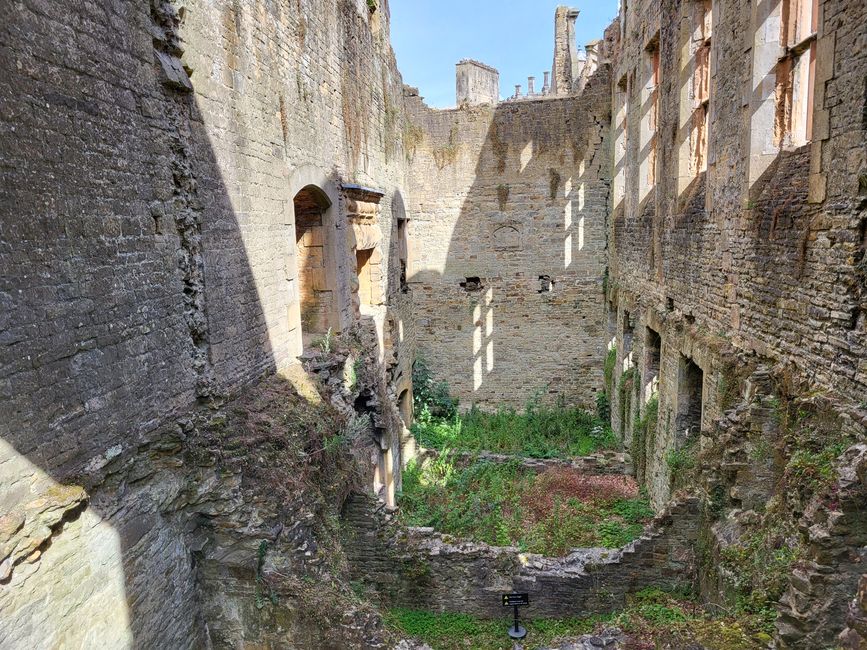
x: 516, y: 601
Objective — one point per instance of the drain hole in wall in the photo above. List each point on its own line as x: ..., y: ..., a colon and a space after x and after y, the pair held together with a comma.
x: 546, y: 284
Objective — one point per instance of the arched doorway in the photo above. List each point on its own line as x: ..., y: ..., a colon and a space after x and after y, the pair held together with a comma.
x: 316, y: 287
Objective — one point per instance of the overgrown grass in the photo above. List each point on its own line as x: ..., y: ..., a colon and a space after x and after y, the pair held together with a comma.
x: 652, y: 618
x: 539, y: 431
x: 508, y: 505
x: 461, y: 631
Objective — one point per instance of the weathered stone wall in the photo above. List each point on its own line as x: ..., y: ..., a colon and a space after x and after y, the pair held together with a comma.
x: 510, y: 208
x: 770, y: 267
x: 757, y: 261
x: 151, y: 153
x: 421, y: 568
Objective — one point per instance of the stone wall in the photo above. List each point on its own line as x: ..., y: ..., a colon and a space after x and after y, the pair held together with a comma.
x: 754, y: 262
x: 814, y: 609
x: 767, y: 264
x: 510, y: 209
x: 423, y: 569
x: 151, y: 152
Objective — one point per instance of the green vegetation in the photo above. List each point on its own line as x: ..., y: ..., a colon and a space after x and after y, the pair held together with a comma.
x: 625, y: 391
x: 644, y: 436
x: 538, y: 432
x: 759, y: 564
x: 461, y: 631
x: 325, y: 342
x: 681, y: 462
x: 652, y: 618
x: 608, y: 369
x: 506, y: 504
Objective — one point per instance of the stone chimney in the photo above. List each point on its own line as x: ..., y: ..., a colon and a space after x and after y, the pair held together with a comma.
x: 517, y: 91
x: 589, y: 65
x: 546, y: 85
x: 565, y: 68
x: 531, y: 86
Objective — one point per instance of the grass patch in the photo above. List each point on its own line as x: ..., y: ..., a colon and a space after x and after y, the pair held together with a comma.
x: 461, y: 631
x: 549, y: 512
x: 652, y: 618
x: 539, y: 431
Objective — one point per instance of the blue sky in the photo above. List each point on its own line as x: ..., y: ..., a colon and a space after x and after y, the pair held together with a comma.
x: 515, y: 36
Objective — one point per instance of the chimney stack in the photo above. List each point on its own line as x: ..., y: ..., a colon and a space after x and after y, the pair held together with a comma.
x: 517, y: 91
x: 531, y: 86
x: 565, y: 70
x: 546, y: 85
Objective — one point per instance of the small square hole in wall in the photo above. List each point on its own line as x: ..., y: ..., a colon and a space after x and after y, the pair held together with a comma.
x: 472, y: 284
x: 546, y: 284
x: 669, y: 304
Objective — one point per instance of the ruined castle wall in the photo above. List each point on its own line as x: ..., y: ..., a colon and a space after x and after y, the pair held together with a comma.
x: 761, y: 252
x: 150, y: 159
x: 424, y: 569
x: 507, y: 283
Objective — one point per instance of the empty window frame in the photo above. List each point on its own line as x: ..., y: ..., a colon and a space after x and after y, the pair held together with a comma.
x: 621, y: 139
x: 315, y: 277
x: 650, y: 119
x: 695, y: 96
x: 652, y: 361
x: 403, y: 252
x: 796, y: 72
x: 690, y: 404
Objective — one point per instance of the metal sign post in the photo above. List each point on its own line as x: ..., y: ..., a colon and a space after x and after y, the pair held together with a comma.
x: 516, y: 601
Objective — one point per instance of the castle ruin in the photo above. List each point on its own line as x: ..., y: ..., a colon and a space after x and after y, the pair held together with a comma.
x: 222, y: 220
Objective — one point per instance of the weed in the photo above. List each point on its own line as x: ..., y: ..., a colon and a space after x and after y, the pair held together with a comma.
x: 653, y: 618
x: 506, y: 504
x: 680, y: 461
x: 540, y: 431
x: 610, y: 363
x: 325, y: 342
x: 643, y: 436
x: 603, y: 406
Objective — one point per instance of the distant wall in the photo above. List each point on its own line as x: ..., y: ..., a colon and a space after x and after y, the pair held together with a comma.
x: 510, y: 204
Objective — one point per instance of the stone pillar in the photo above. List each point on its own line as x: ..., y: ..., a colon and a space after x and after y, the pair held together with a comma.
x: 365, y: 236
x: 565, y: 66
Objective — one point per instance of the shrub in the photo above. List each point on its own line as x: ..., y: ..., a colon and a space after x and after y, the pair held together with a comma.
x: 506, y: 504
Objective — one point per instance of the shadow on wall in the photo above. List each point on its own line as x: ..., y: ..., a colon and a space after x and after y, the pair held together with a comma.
x: 512, y: 308
x: 133, y: 292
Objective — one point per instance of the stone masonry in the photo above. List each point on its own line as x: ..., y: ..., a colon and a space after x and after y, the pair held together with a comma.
x: 196, y: 196
x: 510, y: 228
x: 420, y: 568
